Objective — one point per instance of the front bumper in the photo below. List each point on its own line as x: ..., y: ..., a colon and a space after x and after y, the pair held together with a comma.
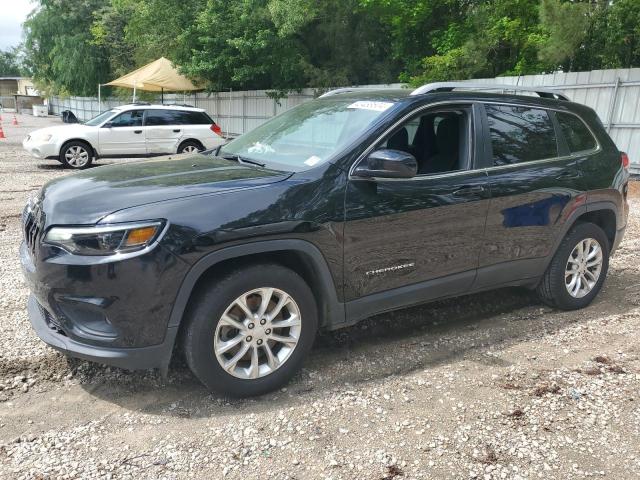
x: 40, y: 149
x: 156, y: 356
x: 115, y: 313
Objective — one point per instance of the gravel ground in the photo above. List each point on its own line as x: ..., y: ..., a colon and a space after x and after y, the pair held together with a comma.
x: 487, y: 386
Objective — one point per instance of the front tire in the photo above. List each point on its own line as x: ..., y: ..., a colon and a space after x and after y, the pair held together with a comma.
x: 76, y: 154
x: 249, y: 331
x: 578, y: 269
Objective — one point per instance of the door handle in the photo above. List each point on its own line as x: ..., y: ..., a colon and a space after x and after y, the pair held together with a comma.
x: 177, y: 131
x: 137, y: 131
x: 468, y: 191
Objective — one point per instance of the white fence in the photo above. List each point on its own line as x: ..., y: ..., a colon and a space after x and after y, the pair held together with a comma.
x: 613, y: 94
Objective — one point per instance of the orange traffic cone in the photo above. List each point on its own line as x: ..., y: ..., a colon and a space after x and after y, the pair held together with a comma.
x: 15, y: 120
x: 1, y: 132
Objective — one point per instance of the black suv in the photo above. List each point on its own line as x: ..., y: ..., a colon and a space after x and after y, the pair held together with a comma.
x: 353, y: 204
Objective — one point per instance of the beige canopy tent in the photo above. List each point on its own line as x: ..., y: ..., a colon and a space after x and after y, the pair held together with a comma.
x: 157, y: 76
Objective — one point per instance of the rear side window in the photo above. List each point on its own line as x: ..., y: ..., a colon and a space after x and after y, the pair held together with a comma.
x: 176, y: 117
x: 196, y: 118
x: 576, y: 133
x: 520, y: 134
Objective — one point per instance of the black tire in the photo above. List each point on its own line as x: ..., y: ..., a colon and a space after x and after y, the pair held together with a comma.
x: 81, y: 148
x: 210, y: 303
x: 552, y: 289
x: 190, y: 144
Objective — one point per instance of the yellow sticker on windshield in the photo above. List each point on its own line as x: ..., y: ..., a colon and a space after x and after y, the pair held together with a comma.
x: 369, y: 105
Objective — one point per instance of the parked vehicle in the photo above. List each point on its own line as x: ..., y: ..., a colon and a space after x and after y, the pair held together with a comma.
x: 356, y: 203
x: 137, y: 129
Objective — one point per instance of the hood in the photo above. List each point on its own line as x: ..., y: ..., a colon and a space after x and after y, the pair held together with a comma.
x: 88, y: 196
x: 60, y: 129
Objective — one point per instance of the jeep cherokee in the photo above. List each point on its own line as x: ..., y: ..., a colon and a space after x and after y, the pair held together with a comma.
x: 356, y: 203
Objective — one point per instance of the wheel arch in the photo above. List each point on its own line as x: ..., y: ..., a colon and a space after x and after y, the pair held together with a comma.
x: 603, y: 214
x: 185, y: 140
x: 83, y: 140
x: 299, y: 255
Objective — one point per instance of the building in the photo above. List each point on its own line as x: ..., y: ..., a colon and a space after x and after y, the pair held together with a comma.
x: 10, y: 86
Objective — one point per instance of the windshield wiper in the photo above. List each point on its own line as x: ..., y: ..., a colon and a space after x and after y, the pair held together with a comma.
x: 239, y: 159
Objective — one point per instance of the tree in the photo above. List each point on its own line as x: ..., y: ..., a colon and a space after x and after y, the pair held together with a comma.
x: 11, y: 63
x: 59, y: 47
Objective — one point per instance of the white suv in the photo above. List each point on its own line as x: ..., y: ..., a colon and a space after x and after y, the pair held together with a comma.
x: 127, y: 131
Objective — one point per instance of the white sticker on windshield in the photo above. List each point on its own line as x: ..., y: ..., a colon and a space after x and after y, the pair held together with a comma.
x: 369, y: 105
x: 312, y: 160
x: 260, y: 148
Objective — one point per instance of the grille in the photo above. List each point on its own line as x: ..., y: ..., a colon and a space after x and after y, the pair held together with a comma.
x: 32, y: 231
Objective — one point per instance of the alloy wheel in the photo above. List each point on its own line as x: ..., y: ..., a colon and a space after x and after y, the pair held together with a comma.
x: 190, y: 149
x: 583, y: 267
x: 77, y: 156
x: 257, y: 333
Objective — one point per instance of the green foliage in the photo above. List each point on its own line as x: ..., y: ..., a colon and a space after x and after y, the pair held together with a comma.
x: 59, y: 50
x: 11, y: 63
x: 566, y: 24
x: 71, y: 45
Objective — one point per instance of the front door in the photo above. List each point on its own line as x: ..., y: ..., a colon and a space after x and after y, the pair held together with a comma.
x: 408, y: 241
x: 123, y: 135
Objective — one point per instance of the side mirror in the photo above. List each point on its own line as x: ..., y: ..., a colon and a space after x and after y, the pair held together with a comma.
x: 387, y: 163
x: 107, y: 125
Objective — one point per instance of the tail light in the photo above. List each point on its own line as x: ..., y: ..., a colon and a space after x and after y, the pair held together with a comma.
x: 216, y: 129
x: 624, y: 159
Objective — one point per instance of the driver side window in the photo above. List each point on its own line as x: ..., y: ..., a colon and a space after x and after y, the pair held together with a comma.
x: 131, y: 118
x: 438, y: 139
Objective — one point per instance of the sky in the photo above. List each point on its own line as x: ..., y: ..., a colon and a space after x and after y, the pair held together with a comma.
x: 12, y: 14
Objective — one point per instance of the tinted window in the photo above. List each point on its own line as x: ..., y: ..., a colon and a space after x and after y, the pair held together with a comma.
x: 576, y: 133
x: 520, y: 134
x: 196, y: 118
x: 132, y: 118
x: 176, y: 117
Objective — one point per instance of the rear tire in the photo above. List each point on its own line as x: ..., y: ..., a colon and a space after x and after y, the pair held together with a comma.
x: 190, y: 146
x: 217, y: 330
x: 76, y: 154
x: 573, y: 279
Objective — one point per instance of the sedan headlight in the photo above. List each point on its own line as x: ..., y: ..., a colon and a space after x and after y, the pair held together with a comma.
x: 105, y: 240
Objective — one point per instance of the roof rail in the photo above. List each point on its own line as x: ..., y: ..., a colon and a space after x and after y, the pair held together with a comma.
x: 450, y: 86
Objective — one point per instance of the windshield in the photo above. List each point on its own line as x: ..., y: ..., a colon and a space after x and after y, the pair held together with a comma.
x: 306, y: 135
x: 95, y: 121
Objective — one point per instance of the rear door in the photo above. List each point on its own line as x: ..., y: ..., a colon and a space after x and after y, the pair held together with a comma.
x: 411, y: 240
x: 533, y: 180
x: 163, y: 130
x: 123, y: 135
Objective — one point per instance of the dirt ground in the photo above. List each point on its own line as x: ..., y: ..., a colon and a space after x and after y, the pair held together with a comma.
x: 487, y: 386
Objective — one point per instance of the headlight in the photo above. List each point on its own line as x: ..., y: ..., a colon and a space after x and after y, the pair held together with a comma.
x: 40, y: 138
x: 105, y: 240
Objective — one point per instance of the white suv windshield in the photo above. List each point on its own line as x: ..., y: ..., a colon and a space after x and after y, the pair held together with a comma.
x: 308, y: 134
x: 95, y: 121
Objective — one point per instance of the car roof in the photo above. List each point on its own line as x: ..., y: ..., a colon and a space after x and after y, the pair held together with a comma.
x: 404, y: 96
x: 148, y: 106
